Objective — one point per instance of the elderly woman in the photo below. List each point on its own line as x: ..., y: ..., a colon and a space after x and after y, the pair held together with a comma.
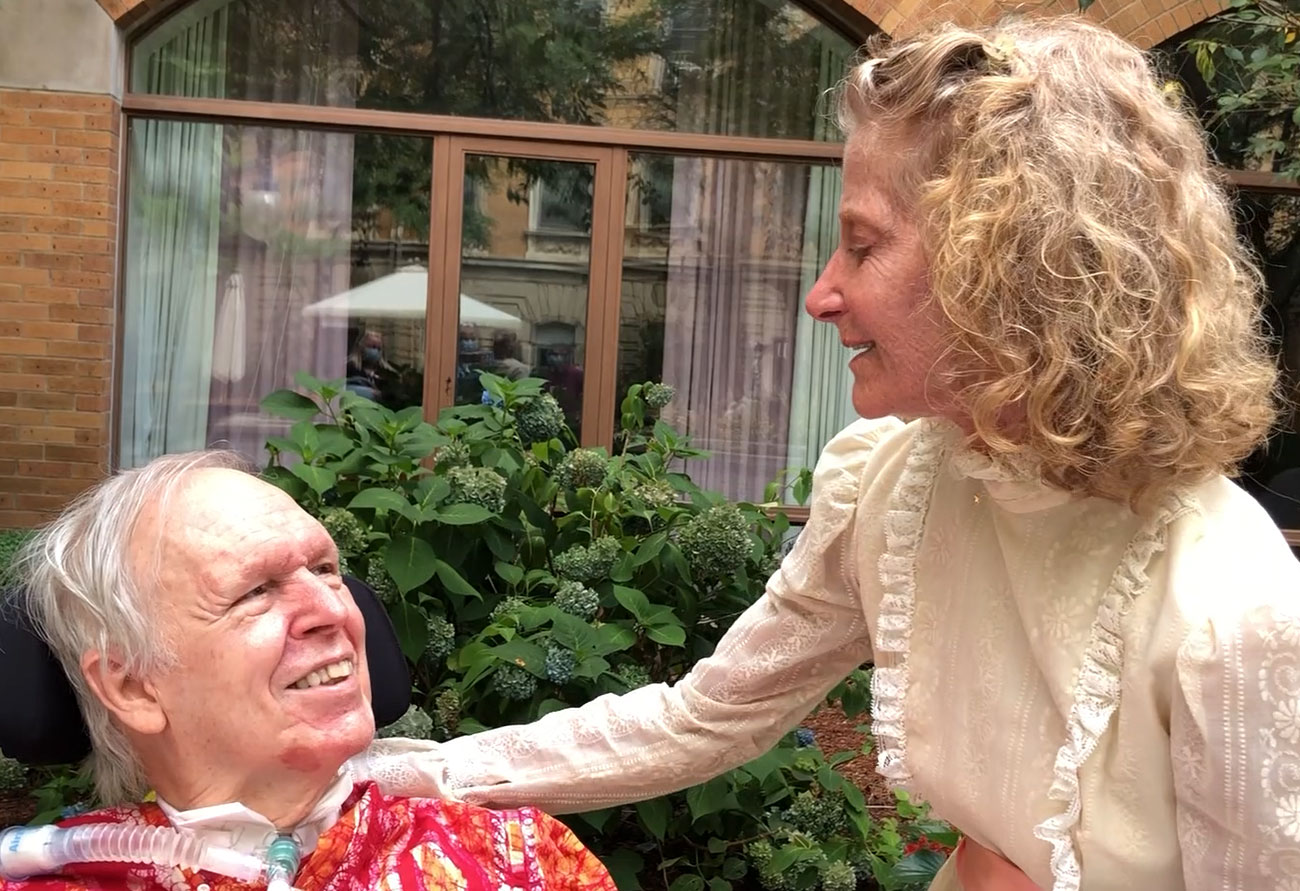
x: 1086, y: 639
x: 220, y: 661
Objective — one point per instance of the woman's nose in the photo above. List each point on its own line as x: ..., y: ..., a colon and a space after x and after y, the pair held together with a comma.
x: 825, y: 300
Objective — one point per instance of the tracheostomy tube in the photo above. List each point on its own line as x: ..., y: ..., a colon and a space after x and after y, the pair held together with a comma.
x: 42, y: 850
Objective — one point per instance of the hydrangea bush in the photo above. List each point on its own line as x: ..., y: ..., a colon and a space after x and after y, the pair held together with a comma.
x: 525, y: 574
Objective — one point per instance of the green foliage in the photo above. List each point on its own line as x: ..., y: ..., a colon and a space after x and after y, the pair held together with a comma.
x: 524, y: 575
x: 10, y: 541
x: 13, y: 776
x: 1249, y: 60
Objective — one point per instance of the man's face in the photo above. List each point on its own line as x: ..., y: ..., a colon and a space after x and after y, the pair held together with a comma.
x: 270, y: 672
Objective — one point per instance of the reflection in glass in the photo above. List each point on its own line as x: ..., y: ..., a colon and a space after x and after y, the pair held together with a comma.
x: 253, y: 254
x: 525, y: 269
x: 1271, y: 224
x: 717, y: 257
x: 729, y: 67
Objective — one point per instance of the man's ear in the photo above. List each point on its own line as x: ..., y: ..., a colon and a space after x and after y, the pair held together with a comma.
x: 132, y: 701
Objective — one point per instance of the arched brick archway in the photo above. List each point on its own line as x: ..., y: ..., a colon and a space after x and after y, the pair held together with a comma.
x: 1145, y: 22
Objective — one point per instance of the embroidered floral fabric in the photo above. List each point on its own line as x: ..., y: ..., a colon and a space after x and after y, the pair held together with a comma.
x: 380, y: 842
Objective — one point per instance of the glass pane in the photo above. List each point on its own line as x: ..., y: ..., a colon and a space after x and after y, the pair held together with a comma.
x: 524, y: 273
x: 255, y: 253
x: 729, y: 67
x: 717, y: 257
x: 1271, y: 223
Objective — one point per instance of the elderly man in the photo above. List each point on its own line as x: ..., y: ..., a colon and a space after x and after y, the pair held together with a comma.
x: 220, y: 661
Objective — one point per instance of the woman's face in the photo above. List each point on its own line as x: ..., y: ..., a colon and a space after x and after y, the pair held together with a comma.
x: 875, y: 291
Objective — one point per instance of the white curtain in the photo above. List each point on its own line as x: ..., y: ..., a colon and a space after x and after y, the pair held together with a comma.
x: 171, y: 251
x: 821, y: 394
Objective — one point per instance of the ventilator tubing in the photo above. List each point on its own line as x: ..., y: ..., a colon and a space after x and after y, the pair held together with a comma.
x: 42, y: 850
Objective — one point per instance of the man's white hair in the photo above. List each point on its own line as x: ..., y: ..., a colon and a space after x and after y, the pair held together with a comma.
x: 79, y: 586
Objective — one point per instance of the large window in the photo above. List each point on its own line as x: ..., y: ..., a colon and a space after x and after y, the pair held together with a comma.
x: 656, y: 191
x: 727, y: 67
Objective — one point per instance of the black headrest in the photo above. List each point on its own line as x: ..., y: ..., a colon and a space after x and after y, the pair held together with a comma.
x: 40, y: 722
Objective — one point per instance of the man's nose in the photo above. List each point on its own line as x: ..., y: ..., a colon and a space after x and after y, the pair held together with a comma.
x: 319, y: 604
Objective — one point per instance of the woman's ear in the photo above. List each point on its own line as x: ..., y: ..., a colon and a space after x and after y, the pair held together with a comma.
x: 132, y: 701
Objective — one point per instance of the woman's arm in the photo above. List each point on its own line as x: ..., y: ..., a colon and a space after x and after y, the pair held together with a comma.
x: 1235, y: 737
x: 770, y: 669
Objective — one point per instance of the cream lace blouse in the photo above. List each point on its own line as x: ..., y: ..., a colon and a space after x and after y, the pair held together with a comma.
x: 1108, y: 702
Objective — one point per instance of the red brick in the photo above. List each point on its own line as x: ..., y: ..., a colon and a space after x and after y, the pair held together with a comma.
x: 91, y: 435
x: 48, y: 503
x: 13, y: 152
x: 57, y: 154
x: 77, y: 279
x: 26, y: 243
x: 24, y: 275
x: 53, y: 295
x: 83, y: 102
x: 57, y: 401
x: 36, y: 365
x: 79, y: 454
x: 25, y: 170
x: 38, y: 206
x: 92, y: 209
x: 23, y: 311
x: 17, y: 346
x: 72, y: 120
x: 11, y: 224
x: 93, y: 403
x: 74, y: 245
x: 54, y: 225
x: 52, y: 261
x: 75, y: 349
x: 14, y: 116
x: 98, y: 228
x: 84, y: 138
x: 25, y: 381
x: 21, y: 416
x: 22, y: 450
x: 102, y: 122
x: 99, y: 264
x: 56, y: 190
x: 48, y: 330
x: 27, y: 135
x: 70, y: 174
x: 76, y: 419
x: 66, y: 469
x: 85, y: 315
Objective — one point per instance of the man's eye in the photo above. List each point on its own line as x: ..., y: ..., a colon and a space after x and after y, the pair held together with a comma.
x: 256, y: 592
x: 326, y: 569
x: 859, y: 253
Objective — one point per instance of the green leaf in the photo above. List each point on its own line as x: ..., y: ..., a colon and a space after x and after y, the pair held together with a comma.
x: 412, y: 628
x: 687, y: 883
x: 717, y: 884
x: 453, y: 581
x: 917, y: 868
x: 625, y: 867
x: 410, y: 561
x: 711, y: 797
x: 591, y: 667
x: 526, y: 654
x: 598, y: 819
x: 573, y: 633
x: 377, y: 498
x: 633, y: 601
x: 650, y: 548
x: 734, y: 868
x: 668, y: 635
x: 718, y: 845
x: 654, y: 814
x: 319, y: 479
x: 462, y: 514
x: 509, y: 573
x: 288, y: 404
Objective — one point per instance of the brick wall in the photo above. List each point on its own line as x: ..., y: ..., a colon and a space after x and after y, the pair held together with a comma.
x: 1145, y: 22
x: 58, y: 249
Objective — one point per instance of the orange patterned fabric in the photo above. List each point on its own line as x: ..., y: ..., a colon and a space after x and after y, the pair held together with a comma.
x: 383, y: 843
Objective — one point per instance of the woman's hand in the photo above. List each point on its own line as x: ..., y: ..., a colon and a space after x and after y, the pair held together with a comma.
x: 979, y: 869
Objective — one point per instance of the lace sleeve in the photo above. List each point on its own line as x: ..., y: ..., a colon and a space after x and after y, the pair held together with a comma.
x: 1235, y: 733
x: 781, y: 656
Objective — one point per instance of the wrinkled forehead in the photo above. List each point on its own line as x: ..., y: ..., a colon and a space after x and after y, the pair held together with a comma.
x: 220, y: 523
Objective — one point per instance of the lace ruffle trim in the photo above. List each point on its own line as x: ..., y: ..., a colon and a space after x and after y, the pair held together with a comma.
x: 1097, y: 689
x: 904, y: 524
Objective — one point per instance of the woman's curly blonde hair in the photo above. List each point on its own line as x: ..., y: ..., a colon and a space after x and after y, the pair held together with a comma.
x: 1105, y: 319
